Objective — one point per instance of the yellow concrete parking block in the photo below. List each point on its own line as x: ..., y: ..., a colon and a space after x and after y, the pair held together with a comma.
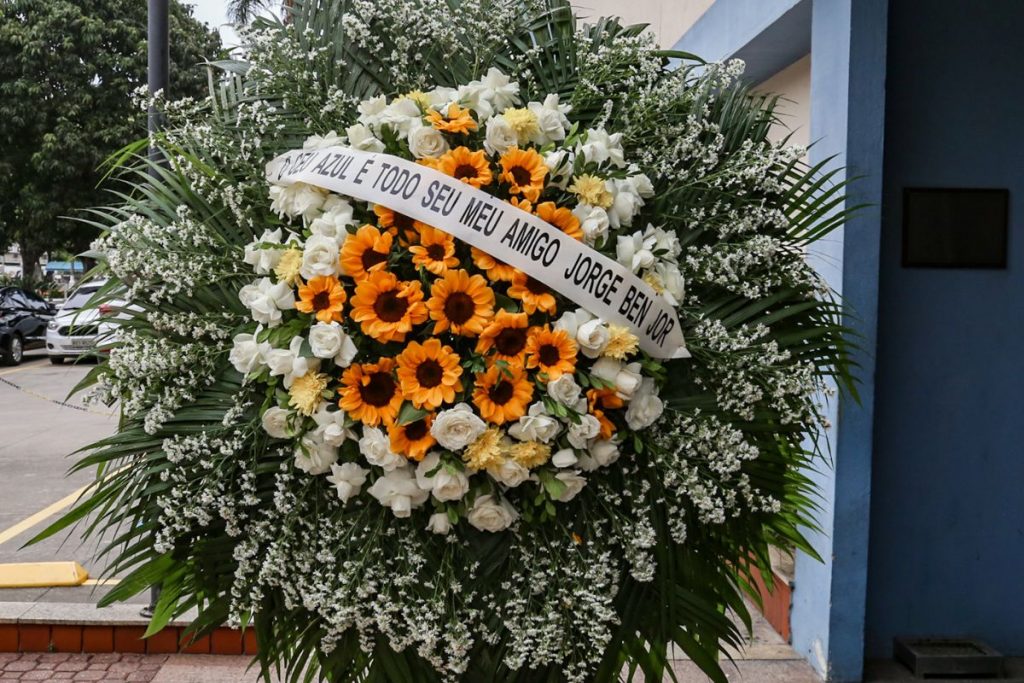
x: 42, y: 574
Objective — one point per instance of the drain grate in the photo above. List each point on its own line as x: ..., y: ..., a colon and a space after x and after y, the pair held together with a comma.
x: 949, y: 658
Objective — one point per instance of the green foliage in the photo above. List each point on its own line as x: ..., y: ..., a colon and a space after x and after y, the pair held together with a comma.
x: 67, y: 73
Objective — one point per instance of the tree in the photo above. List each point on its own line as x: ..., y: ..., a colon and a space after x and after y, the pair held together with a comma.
x: 68, y: 69
x: 244, y: 11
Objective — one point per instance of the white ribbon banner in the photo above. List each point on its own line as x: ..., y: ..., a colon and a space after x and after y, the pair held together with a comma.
x: 582, y: 274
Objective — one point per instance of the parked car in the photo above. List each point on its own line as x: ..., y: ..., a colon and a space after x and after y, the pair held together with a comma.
x: 76, y: 330
x: 24, y: 316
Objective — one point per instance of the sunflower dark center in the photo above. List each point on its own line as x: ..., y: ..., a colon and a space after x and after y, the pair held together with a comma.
x: 429, y: 373
x: 548, y: 354
x: 403, y: 222
x: 501, y: 392
x: 371, y: 258
x: 379, y: 391
x: 390, y: 307
x: 416, y: 431
x: 536, y: 286
x: 436, y: 252
x: 520, y: 175
x: 321, y: 301
x: 459, y: 307
x: 510, y: 341
x: 465, y: 171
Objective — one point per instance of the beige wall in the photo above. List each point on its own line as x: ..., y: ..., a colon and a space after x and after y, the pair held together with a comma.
x: 669, y: 19
x: 794, y: 109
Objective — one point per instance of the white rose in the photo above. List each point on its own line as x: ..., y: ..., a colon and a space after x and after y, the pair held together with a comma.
x: 440, y: 97
x: 641, y: 185
x: 646, y: 407
x: 426, y: 142
x: 500, y: 136
x: 444, y: 484
x: 399, y: 491
x: 348, y: 479
x: 604, y: 452
x: 625, y: 378
x: 551, y: 119
x: 536, y: 425
x: 488, y: 514
x: 565, y: 390
x: 594, y: 223
x: 625, y: 205
x: 402, y: 115
x: 319, y: 257
x: 564, y: 458
x: 509, y: 472
x: 331, y: 426
x: 360, y: 137
x: 265, y: 300
x: 297, y: 199
x: 335, y: 220
x: 592, y: 337
x: 635, y: 251
x: 457, y: 427
x: 498, y: 90
x: 314, y: 456
x: 370, y: 110
x: 559, y: 163
x: 574, y: 483
x: 600, y: 147
x: 247, y: 354
x: 439, y: 523
x: 670, y: 279
x: 288, y: 363
x: 376, y: 448
x: 276, y: 421
x: 331, y: 139
x: 666, y: 243
x: 263, y: 261
x: 570, y: 321
x: 329, y: 340
x: 583, y: 431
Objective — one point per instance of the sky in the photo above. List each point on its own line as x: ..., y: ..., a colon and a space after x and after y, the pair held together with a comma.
x: 214, y: 13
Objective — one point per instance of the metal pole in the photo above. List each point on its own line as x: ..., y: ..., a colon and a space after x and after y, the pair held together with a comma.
x: 158, y: 68
x: 159, y: 62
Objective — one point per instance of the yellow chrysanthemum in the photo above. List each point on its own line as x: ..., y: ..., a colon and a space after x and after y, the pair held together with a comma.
x: 524, y: 122
x: 487, y: 451
x: 306, y: 392
x: 417, y: 96
x: 530, y: 454
x: 288, y: 267
x: 591, y: 190
x: 621, y: 342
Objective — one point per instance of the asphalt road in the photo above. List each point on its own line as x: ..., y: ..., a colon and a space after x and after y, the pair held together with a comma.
x: 37, y: 439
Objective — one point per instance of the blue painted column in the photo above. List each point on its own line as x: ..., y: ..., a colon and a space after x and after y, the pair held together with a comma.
x: 848, y: 52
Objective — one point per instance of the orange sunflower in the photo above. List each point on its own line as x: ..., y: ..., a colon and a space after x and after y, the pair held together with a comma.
x: 369, y: 392
x: 323, y: 296
x: 524, y: 170
x: 535, y: 295
x: 461, y: 302
x: 435, y: 252
x: 497, y: 271
x: 600, y: 400
x: 386, y: 307
x: 365, y: 252
x: 466, y: 165
x: 506, y: 335
x: 502, y: 393
x: 458, y: 120
x: 551, y: 352
x: 398, y: 224
x: 412, y: 440
x: 561, y: 218
x: 429, y: 373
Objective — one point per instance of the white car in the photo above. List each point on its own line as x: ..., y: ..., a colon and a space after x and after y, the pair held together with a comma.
x: 75, y: 331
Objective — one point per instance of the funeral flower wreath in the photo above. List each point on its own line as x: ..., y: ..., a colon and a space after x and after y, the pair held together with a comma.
x: 369, y: 413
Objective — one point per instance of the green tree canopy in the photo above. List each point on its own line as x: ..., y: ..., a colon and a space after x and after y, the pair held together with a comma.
x: 68, y: 69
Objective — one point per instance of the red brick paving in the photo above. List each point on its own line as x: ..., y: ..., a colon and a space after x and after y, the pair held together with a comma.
x: 31, y: 666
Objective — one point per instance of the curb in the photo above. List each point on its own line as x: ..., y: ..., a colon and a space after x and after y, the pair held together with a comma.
x: 85, y: 628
